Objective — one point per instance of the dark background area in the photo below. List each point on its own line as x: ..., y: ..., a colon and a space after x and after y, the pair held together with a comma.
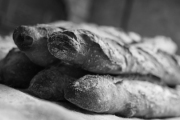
x: 146, y: 17
x: 29, y: 12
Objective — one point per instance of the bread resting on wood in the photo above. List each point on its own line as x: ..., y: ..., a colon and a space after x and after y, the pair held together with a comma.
x: 106, y: 56
x: 124, y: 96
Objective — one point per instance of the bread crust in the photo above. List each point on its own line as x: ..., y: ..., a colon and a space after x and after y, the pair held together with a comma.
x: 105, y: 56
x: 50, y: 83
x: 16, y: 70
x: 124, y: 97
x: 32, y: 40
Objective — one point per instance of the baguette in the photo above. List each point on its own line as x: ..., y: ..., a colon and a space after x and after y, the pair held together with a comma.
x: 32, y: 40
x: 17, y: 70
x: 124, y: 97
x: 106, y: 56
x: 49, y: 84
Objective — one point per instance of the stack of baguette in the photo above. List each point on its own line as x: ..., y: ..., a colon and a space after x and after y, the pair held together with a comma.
x: 97, y: 68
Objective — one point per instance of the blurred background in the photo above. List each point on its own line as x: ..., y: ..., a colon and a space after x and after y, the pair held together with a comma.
x: 145, y: 17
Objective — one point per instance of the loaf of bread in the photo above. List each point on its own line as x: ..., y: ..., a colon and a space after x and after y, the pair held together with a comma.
x: 16, y: 70
x: 32, y: 40
x: 101, y: 69
x: 50, y: 83
x: 105, y: 56
x: 124, y: 96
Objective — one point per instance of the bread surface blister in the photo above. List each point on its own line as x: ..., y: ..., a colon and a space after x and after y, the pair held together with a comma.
x: 100, y: 69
